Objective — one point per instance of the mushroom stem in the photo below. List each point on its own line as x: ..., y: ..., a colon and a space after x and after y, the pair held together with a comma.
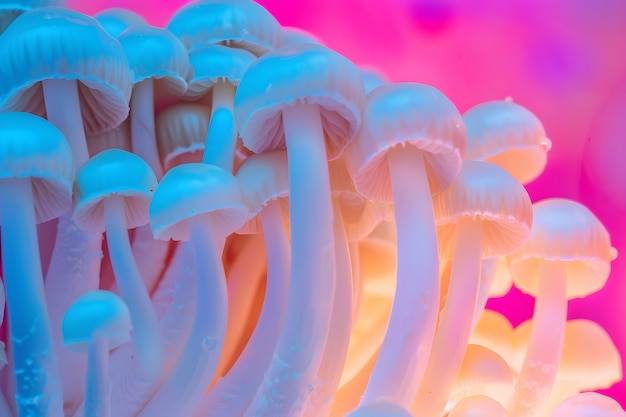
x: 183, y: 389
x: 146, y: 334
x: 142, y: 128
x: 63, y: 111
x: 407, y: 345
x: 294, y: 367
x: 538, y: 373
x: 97, y: 387
x: 336, y: 350
x: 38, y: 388
x: 455, y: 321
x: 232, y: 394
x: 221, y: 141
x: 357, y: 284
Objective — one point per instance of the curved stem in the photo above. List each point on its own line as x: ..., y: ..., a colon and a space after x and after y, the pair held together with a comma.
x: 336, y: 350
x: 183, y: 389
x: 74, y: 270
x: 291, y: 375
x: 407, y: 345
x: 146, y: 334
x: 536, y: 378
x: 455, y: 321
x: 38, y: 390
x: 487, y: 277
x: 98, y: 387
x: 221, y: 140
x: 63, y: 111
x: 232, y: 394
x: 142, y: 128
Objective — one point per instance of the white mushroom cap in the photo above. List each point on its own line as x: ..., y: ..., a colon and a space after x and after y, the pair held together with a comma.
x: 96, y: 313
x: 31, y: 147
x: 113, y: 172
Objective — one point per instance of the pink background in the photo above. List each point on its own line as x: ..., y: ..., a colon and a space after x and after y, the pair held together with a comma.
x: 563, y: 59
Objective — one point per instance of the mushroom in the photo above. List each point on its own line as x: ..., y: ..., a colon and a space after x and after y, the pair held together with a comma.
x: 484, y: 213
x: 201, y: 204
x: 568, y: 256
x: 116, y: 20
x: 217, y: 72
x: 113, y: 193
x: 410, y: 145
x: 307, y: 99
x: 36, y: 176
x: 265, y: 188
x: 241, y: 24
x: 99, y: 321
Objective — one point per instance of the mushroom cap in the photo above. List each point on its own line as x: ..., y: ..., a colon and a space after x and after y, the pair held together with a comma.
x: 588, y: 404
x: 495, y: 331
x: 96, y: 313
x: 372, y: 78
x: 58, y: 43
x: 483, y: 372
x: 486, y: 193
x: 589, y: 360
x: 263, y: 178
x: 181, y: 128
x: 299, y: 74
x: 241, y: 24
x: 406, y: 114
x: 508, y: 135
x: 31, y: 147
x: 113, y: 172
x: 216, y: 63
x: 380, y: 408
x: 293, y: 35
x: 360, y: 215
x: 116, y: 20
x: 156, y: 53
x: 566, y: 231
x: 478, y: 406
x: 191, y: 190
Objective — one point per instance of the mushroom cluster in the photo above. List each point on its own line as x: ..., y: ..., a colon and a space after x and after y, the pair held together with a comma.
x: 224, y: 217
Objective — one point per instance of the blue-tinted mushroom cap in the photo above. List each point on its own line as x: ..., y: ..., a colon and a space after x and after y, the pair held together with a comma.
x: 117, y: 20
x: 58, y: 43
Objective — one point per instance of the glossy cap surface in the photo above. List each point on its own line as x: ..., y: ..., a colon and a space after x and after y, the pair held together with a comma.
x: 31, y: 147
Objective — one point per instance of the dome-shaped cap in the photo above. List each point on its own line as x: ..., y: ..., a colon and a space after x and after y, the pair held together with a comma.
x: 381, y: 408
x: 116, y: 20
x: 360, y: 215
x: 495, y: 331
x: 372, y: 78
x: 113, y: 172
x: 486, y: 193
x: 565, y: 231
x: 299, y: 74
x: 406, y: 114
x: 31, y: 147
x: 215, y: 63
x: 478, y: 405
x: 58, y: 43
x: 240, y: 24
x: 181, y: 128
x: 96, y: 314
x: 156, y: 53
x: 508, y: 135
x: 293, y: 35
x: 589, y: 404
x: 263, y: 178
x: 191, y: 190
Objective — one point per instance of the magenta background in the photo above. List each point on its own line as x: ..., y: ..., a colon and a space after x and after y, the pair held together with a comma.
x: 563, y: 59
